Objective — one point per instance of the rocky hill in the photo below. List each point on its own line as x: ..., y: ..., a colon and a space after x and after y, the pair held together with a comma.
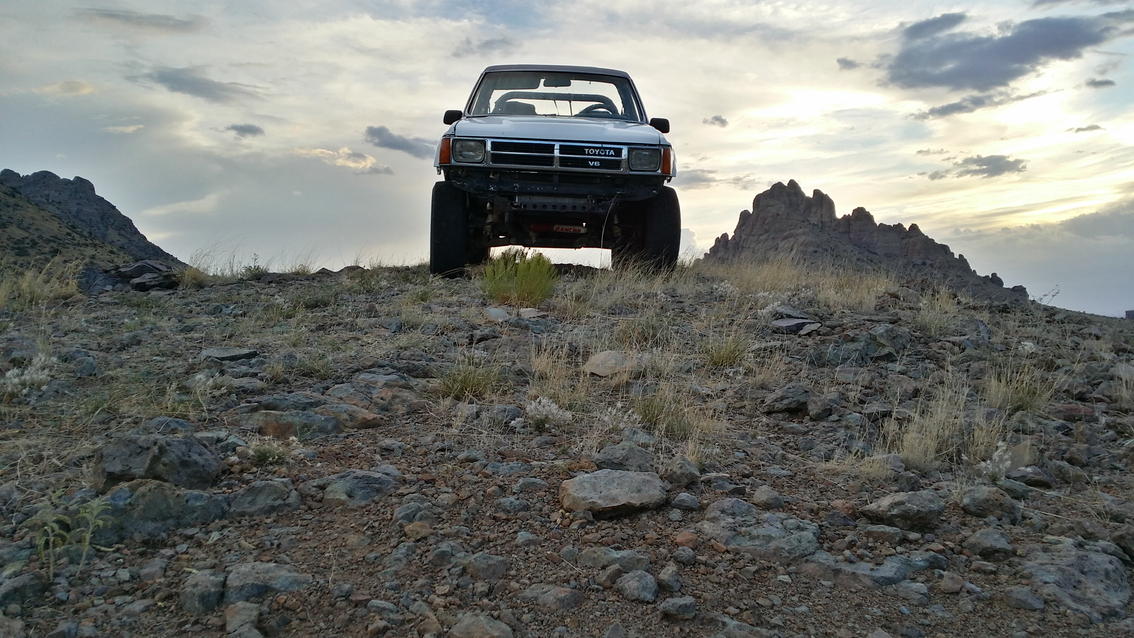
x: 786, y: 223
x: 74, y: 203
x: 31, y: 237
x: 717, y: 452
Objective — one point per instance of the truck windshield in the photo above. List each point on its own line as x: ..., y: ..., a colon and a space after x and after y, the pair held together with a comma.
x: 556, y: 94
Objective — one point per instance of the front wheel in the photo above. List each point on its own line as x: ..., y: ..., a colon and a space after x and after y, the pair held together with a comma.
x: 651, y: 234
x: 448, y: 231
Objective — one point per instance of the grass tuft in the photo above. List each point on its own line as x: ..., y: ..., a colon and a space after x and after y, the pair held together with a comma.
x: 32, y: 288
x: 470, y: 378
x: 517, y: 278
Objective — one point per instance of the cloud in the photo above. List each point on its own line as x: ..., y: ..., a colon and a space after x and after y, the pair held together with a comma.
x: 361, y: 163
x: 245, y: 130
x: 932, y: 55
x: 147, y: 21
x: 383, y: 137
x: 488, y: 46
x: 191, y: 81
x: 846, y: 64
x: 933, y: 26
x: 716, y: 120
x: 67, y: 87
x: 1116, y: 220
x: 931, y: 151
x: 974, y: 102
x: 984, y: 166
x: 1085, y: 129
x: 1095, y: 83
x: 125, y: 129
x: 698, y: 178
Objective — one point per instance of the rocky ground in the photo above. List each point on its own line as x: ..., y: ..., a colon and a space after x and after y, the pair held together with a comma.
x: 720, y: 452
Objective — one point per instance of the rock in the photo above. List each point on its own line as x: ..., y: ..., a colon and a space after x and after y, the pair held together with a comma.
x: 625, y: 456
x: 884, y: 533
x: 228, y: 354
x: 740, y: 527
x: 22, y: 589
x: 686, y: 501
x: 950, y: 583
x: 1032, y: 476
x: 1022, y: 598
x: 610, y: 362
x: 239, y: 616
x: 150, y: 509
x: 351, y: 417
x: 1124, y: 539
x: 986, y: 501
x: 183, y: 461
x: 471, y: 625
x: 264, y: 497
x: 680, y: 471
x: 599, y: 557
x: 670, y: 577
x: 683, y: 608
x: 166, y: 425
x: 685, y: 555
x: 612, y: 492
x: 552, y: 597
x: 14, y: 628
x: 1082, y: 580
x: 483, y: 566
x: 201, y: 593
x: 356, y: 488
x: 990, y: 544
x: 893, y: 570
x: 252, y: 580
x: 291, y: 424
x: 638, y: 586
x: 907, y: 510
x: 790, y: 398
x: 767, y: 498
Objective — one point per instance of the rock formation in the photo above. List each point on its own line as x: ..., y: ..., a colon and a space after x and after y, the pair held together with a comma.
x: 786, y: 223
x: 76, y: 204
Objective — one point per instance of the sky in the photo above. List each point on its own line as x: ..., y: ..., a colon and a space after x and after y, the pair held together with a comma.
x: 304, y: 131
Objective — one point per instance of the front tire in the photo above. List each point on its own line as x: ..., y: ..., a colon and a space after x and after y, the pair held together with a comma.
x: 653, y: 235
x: 448, y: 231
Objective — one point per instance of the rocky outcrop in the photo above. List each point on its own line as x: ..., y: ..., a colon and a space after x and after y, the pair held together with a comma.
x: 786, y: 223
x: 76, y: 204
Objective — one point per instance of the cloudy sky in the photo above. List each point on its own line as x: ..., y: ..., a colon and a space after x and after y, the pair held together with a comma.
x: 306, y: 132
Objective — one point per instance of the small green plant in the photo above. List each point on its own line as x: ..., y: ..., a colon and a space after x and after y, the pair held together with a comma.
x: 254, y: 270
x: 57, y: 530
x: 517, y: 278
x: 267, y: 455
x: 469, y: 378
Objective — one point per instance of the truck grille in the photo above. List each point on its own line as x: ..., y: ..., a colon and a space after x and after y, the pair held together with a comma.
x: 605, y: 158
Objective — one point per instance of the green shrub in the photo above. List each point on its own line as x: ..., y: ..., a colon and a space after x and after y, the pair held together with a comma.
x: 517, y: 278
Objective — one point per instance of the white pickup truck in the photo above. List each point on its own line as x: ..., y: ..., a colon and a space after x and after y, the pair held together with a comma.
x: 554, y: 156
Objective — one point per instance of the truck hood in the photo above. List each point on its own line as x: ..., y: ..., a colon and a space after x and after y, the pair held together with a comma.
x: 573, y: 129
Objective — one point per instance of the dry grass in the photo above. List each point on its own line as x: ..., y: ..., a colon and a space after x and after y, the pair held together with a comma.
x: 194, y: 278
x: 833, y: 288
x: 33, y: 288
x: 935, y: 431
x: 726, y: 350
x: 556, y: 376
x: 471, y: 377
x: 672, y: 413
x: 936, y: 312
x: 1018, y: 386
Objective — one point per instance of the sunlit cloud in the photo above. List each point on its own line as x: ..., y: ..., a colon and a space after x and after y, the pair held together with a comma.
x: 360, y: 163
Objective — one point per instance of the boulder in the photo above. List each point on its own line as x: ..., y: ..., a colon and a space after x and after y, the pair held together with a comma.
x: 625, y: 456
x: 907, y: 510
x: 610, y: 362
x: 638, y: 586
x: 472, y: 625
x: 984, y: 501
x: 553, y: 597
x: 150, y: 509
x: 202, y: 592
x: 741, y: 527
x: 262, y: 498
x: 612, y: 492
x: 252, y: 580
x: 183, y: 461
x: 356, y: 488
x: 1081, y: 579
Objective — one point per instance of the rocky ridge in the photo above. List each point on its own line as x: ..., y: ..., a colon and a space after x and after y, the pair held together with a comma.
x: 309, y: 456
x: 786, y: 223
x: 75, y: 203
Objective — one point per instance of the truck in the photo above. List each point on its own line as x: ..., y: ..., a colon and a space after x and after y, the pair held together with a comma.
x: 558, y: 157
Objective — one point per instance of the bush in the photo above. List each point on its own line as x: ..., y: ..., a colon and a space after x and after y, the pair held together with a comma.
x: 23, y: 290
x: 517, y: 278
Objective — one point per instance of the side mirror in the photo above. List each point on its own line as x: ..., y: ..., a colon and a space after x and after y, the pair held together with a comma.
x: 660, y: 123
x: 453, y: 115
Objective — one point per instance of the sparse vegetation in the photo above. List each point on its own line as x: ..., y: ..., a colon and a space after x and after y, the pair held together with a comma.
x: 471, y: 377
x: 518, y: 278
x: 936, y: 312
x: 1018, y: 386
x: 35, y: 287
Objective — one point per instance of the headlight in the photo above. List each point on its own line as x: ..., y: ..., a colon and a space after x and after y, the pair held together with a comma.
x: 468, y: 151
x: 645, y: 159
